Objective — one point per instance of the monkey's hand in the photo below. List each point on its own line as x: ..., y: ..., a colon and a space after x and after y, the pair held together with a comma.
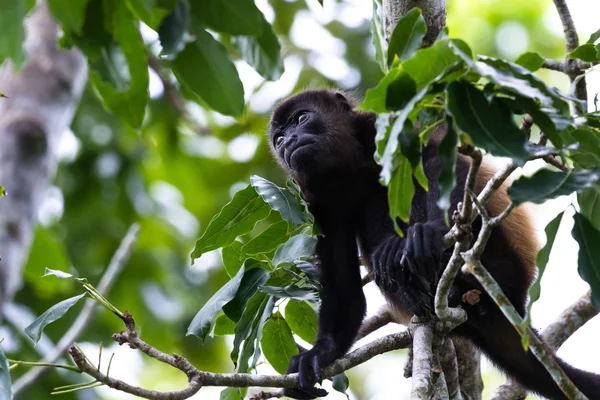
x: 309, y: 367
x: 410, y: 266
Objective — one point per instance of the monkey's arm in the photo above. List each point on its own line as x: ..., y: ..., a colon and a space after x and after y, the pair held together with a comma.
x: 342, y: 310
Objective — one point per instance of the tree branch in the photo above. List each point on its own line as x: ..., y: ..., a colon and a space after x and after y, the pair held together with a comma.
x: 434, y: 13
x: 422, y: 334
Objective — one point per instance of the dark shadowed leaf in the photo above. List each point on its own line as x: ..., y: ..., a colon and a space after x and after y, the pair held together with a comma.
x: 587, y: 155
x: 248, y: 287
x: 589, y: 255
x: 57, y: 311
x: 400, y: 193
x: 290, y: 291
x: 231, y: 393
x: 490, y: 124
x: 13, y: 33
x: 236, y: 218
x: 530, y: 60
x: 448, y: 153
x: 340, y: 382
x: 5, y: 385
x: 151, y: 12
x: 232, y: 257
x: 236, y: 17
x: 296, y: 248
x: 173, y: 27
x: 262, y: 52
x: 378, y: 36
x: 402, y: 90
x: 302, y: 319
x: 546, y: 185
x: 280, y: 199
x: 200, y: 325
x: 252, y: 344
x: 585, y: 52
x: 70, y: 13
x: 243, y: 329
x: 205, y: 68
x: 224, y: 326
x: 589, y: 205
x: 268, y: 240
x: 407, y: 36
x: 278, y: 343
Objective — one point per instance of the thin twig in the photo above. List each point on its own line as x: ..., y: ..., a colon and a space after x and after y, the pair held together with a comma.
x: 116, y: 265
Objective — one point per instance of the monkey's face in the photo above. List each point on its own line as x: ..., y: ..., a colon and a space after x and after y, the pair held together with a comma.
x: 313, y: 134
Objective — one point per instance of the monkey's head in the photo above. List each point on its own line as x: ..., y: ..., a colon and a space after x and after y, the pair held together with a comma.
x: 316, y: 134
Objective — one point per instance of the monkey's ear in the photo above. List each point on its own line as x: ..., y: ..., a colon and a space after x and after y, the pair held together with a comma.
x: 343, y: 101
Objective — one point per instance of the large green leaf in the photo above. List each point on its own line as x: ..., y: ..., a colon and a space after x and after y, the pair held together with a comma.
x: 126, y: 99
x: 248, y: 287
x: 5, y: 385
x: 490, y: 124
x: 589, y: 255
x: 57, y: 311
x: 378, y: 35
x: 232, y: 257
x: 298, y: 247
x: 268, y: 240
x: 448, y: 154
x: 151, y: 12
x: 278, y: 343
x: 205, y: 68
x: 546, y: 185
x: 173, y: 27
x: 397, y: 84
x: 262, y: 52
x: 70, y: 13
x: 585, y: 52
x: 400, y: 193
x: 224, y: 326
x: 530, y: 60
x: 302, y: 319
x: 236, y: 17
x: 280, y: 199
x: 13, y: 33
x: 236, y: 218
x: 407, y: 36
x: 243, y: 329
x: 201, y: 324
x: 589, y: 205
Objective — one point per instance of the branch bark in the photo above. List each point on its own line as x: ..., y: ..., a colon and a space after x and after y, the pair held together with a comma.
x: 42, y: 101
x: 434, y: 12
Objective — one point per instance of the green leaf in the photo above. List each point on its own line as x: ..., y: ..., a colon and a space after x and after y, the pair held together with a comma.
x: 262, y: 52
x: 296, y: 248
x: 205, y: 68
x: 152, y: 12
x: 530, y: 60
x: 291, y: 291
x: 268, y: 240
x: 201, y: 324
x: 2, y: 189
x: 236, y: 218
x: 302, y: 319
x: 407, y: 36
x: 490, y: 124
x: 340, y: 382
x: 173, y: 27
x: 585, y: 52
x: 546, y: 185
x: 419, y: 174
x: 594, y: 36
x: 589, y: 255
x: 248, y: 287
x: 252, y: 343
x: 542, y: 260
x: 70, y: 13
x: 378, y: 34
x: 589, y: 205
x: 236, y: 17
x: 400, y: 193
x: 281, y: 200
x: 13, y: 33
x: 396, y: 84
x: 56, y: 312
x: 5, y: 385
x: 62, y: 275
x: 231, y: 393
x: 224, y: 326
x: 587, y: 155
x: 448, y: 153
x: 243, y: 329
x: 278, y: 343
x: 233, y: 257
x: 126, y: 99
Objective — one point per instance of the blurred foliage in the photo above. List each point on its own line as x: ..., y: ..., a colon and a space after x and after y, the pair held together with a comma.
x: 134, y: 157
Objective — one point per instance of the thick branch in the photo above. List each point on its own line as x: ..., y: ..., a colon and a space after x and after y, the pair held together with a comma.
x: 422, y: 359
x: 434, y: 12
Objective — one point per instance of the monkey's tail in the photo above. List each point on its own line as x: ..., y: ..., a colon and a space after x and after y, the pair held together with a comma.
x: 497, y: 338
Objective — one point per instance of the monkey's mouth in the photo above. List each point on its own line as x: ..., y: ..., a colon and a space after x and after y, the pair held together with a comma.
x: 295, y: 154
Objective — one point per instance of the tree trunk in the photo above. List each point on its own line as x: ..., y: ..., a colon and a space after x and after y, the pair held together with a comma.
x: 40, y: 106
x: 434, y: 12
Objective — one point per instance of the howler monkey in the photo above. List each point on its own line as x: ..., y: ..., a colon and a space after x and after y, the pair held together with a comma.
x: 328, y: 148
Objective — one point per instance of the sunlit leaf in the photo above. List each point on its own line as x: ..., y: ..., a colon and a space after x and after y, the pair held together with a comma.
x: 262, y: 52
x: 302, y: 319
x: 205, y: 68
x: 280, y: 199
x: 407, y: 36
x: 248, y: 287
x: 546, y: 185
x: 589, y: 205
x: 70, y: 13
x: 236, y: 17
x: 13, y: 33
x: 378, y: 35
x: 232, y: 257
x: 589, y: 255
x: 57, y: 311
x: 201, y: 324
x: 236, y: 218
x: 400, y: 193
x: 530, y: 60
x: 278, y: 343
x: 173, y: 27
x: 268, y: 240
x: 297, y: 247
x: 224, y: 326
x: 5, y: 385
x: 585, y: 52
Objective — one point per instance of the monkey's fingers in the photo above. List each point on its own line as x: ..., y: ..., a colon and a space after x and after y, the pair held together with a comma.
x: 310, y: 394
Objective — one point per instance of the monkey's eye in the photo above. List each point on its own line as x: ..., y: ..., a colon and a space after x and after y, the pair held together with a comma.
x: 302, y: 118
x: 279, y: 141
